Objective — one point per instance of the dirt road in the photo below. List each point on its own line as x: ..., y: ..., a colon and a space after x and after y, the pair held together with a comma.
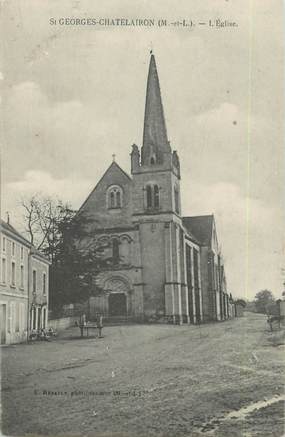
x: 148, y: 380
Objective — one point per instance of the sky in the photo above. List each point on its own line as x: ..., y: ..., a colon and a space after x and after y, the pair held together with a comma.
x: 71, y: 96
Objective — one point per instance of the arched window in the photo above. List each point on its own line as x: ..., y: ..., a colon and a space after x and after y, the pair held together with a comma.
x: 116, y: 251
x: 114, y: 197
x: 149, y: 196
x: 118, y: 199
x: 155, y: 196
x: 152, y: 196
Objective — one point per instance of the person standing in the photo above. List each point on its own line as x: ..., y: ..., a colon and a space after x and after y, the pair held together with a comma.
x: 82, y: 320
x: 99, y: 324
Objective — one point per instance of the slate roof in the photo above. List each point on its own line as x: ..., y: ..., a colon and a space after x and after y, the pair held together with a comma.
x: 201, y: 227
x: 154, y: 132
x: 191, y: 236
x: 9, y: 228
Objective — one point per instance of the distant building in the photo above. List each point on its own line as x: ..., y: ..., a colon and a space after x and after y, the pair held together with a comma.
x: 164, y: 265
x: 23, y: 286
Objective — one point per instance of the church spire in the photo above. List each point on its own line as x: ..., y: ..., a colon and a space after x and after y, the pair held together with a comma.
x: 155, y: 142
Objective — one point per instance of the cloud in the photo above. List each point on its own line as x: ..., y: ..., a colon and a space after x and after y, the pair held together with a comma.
x: 48, y: 134
x: 71, y: 190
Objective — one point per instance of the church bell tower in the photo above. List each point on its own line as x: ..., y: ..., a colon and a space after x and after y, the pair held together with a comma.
x: 155, y: 169
x: 156, y: 204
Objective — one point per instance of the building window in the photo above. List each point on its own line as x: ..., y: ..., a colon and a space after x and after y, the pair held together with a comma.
x: 152, y: 196
x: 44, y: 317
x: 116, y: 251
x: 44, y: 283
x: 22, y: 252
x: 155, y: 196
x: 11, y: 326
x: 4, y: 244
x: 34, y: 281
x: 3, y: 270
x: 22, y: 276
x: 176, y: 200
x: 13, y: 248
x: 118, y: 199
x: 39, y: 318
x: 13, y: 274
x: 34, y: 315
x: 114, y: 197
x: 23, y: 317
x: 148, y: 196
x: 17, y: 317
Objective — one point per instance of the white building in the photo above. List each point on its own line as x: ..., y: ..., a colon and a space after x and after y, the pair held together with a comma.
x: 23, y: 286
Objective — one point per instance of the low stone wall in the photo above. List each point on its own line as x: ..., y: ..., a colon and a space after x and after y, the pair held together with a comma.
x: 62, y: 323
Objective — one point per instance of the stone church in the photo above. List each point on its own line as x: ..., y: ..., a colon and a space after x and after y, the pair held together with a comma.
x: 164, y: 266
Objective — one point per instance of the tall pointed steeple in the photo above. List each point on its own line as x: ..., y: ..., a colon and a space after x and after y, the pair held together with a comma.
x: 155, y: 142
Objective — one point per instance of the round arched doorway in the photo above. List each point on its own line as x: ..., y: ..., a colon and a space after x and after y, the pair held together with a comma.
x: 117, y: 304
x: 117, y: 289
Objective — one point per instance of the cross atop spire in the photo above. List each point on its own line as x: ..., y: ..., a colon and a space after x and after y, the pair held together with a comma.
x: 155, y: 142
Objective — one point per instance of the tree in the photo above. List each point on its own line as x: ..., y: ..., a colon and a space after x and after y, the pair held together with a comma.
x: 263, y: 299
x: 251, y: 307
x: 241, y: 302
x: 43, y: 218
x: 66, y: 238
x: 77, y: 262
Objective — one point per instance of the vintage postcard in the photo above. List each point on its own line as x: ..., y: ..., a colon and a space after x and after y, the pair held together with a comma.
x: 142, y: 272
